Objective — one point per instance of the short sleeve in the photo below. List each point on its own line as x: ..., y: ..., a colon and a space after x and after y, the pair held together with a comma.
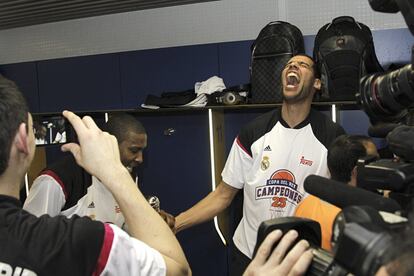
x: 46, y: 196
x: 238, y: 163
x: 124, y: 255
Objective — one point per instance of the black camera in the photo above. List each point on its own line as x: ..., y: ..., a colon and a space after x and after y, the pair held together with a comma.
x: 395, y: 176
x: 385, y: 98
x: 362, y: 240
x: 388, y: 97
x: 230, y: 98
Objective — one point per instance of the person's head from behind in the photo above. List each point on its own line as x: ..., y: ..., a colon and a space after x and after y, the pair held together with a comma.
x: 300, y: 79
x: 131, y: 136
x: 343, y: 155
x: 16, y: 133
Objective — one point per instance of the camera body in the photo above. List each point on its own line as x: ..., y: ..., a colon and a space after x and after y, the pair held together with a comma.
x: 389, y: 97
x: 385, y: 98
x: 230, y: 98
x: 362, y: 240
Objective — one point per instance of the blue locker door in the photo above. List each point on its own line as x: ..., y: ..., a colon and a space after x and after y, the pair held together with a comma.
x: 25, y: 76
x: 79, y: 83
x: 165, y: 70
x: 177, y: 169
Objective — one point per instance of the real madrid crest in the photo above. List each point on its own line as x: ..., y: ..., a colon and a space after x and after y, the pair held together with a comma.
x: 265, y: 163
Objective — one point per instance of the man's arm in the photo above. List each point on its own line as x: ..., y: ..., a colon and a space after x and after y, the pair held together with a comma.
x: 98, y: 154
x: 207, y: 208
x: 45, y: 197
x: 168, y: 218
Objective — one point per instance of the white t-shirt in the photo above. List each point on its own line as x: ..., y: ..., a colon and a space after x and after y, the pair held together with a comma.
x: 66, y: 189
x: 124, y: 255
x: 270, y: 162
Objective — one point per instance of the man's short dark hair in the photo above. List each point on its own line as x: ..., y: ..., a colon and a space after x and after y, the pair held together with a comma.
x: 13, y: 112
x: 343, y: 155
x: 120, y: 124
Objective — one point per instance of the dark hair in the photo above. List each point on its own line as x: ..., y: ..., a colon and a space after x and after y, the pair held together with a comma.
x: 13, y: 112
x: 120, y: 124
x: 343, y: 155
x: 315, y: 68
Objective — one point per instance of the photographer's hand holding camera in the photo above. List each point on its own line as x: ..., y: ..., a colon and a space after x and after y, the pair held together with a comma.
x: 279, y: 261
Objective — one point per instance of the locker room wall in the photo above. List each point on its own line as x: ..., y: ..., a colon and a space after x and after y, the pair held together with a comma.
x: 176, y: 168
x: 114, y: 61
x: 204, y: 23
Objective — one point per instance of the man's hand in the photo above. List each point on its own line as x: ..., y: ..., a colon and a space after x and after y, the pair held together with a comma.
x: 296, y: 262
x: 97, y: 150
x: 168, y: 218
x: 98, y: 153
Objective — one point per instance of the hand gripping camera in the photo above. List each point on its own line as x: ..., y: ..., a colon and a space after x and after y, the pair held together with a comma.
x: 363, y: 240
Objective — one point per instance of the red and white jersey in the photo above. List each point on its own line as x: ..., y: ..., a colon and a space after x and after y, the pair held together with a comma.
x: 77, y: 246
x: 66, y: 189
x: 123, y: 255
x: 270, y: 161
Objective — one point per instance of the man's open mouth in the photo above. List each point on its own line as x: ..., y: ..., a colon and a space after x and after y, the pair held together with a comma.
x: 292, y: 79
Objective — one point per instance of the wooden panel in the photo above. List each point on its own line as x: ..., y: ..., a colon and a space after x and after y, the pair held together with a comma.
x: 38, y: 164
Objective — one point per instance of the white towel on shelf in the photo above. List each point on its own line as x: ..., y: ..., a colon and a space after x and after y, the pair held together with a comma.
x: 209, y: 86
x: 200, y: 101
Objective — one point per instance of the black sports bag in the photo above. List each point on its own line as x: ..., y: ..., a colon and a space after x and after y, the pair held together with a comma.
x: 344, y: 52
x: 276, y: 43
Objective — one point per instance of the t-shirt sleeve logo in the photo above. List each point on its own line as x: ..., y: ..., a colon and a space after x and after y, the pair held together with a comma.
x: 306, y: 162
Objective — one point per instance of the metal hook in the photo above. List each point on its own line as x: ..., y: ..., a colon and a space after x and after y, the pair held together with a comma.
x: 169, y: 131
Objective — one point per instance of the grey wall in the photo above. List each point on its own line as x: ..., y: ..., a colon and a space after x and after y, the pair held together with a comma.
x: 219, y: 21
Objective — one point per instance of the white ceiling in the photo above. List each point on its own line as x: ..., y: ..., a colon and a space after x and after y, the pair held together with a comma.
x: 19, y: 13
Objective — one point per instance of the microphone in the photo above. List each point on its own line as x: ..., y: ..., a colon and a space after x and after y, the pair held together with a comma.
x: 154, y: 202
x: 343, y: 195
x: 381, y: 130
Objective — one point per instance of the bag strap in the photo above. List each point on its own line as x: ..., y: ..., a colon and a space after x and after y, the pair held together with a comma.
x: 343, y: 19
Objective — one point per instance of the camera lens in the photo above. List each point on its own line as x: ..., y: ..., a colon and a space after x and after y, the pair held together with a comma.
x: 232, y: 98
x: 385, y: 97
